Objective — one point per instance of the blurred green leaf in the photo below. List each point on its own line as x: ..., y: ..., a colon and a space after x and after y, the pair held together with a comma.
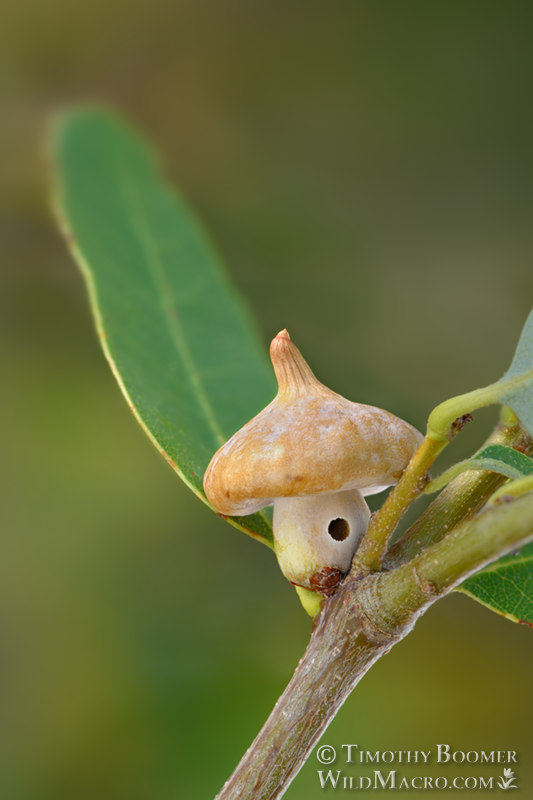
x: 520, y: 396
x: 514, y: 389
x: 177, y: 336
x: 495, y: 458
x: 506, y: 586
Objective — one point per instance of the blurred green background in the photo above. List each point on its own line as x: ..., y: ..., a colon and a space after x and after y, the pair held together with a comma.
x: 366, y: 169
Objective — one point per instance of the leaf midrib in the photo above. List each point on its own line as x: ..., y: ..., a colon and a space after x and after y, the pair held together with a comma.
x: 155, y: 265
x: 133, y: 202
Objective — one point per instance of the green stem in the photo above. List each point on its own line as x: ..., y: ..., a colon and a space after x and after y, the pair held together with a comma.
x: 461, y: 499
x: 443, y: 423
x: 442, y: 417
x: 512, y: 489
x: 383, y: 523
x: 469, y: 465
x: 468, y: 548
x: 358, y: 625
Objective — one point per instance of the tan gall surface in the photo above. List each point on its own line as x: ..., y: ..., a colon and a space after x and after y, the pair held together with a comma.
x: 308, y: 440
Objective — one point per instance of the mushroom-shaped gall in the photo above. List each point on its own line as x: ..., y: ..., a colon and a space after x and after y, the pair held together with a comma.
x: 312, y: 454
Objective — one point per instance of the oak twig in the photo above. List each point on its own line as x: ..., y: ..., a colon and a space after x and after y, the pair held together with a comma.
x: 356, y: 626
x: 459, y: 501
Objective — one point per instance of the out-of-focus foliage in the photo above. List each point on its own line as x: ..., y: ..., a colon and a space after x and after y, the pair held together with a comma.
x: 520, y: 398
x: 365, y: 169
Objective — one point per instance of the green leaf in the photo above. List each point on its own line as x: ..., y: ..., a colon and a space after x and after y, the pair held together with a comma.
x: 495, y: 458
x: 514, y: 389
x: 511, y: 462
x: 506, y: 586
x: 520, y: 397
x: 177, y: 336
